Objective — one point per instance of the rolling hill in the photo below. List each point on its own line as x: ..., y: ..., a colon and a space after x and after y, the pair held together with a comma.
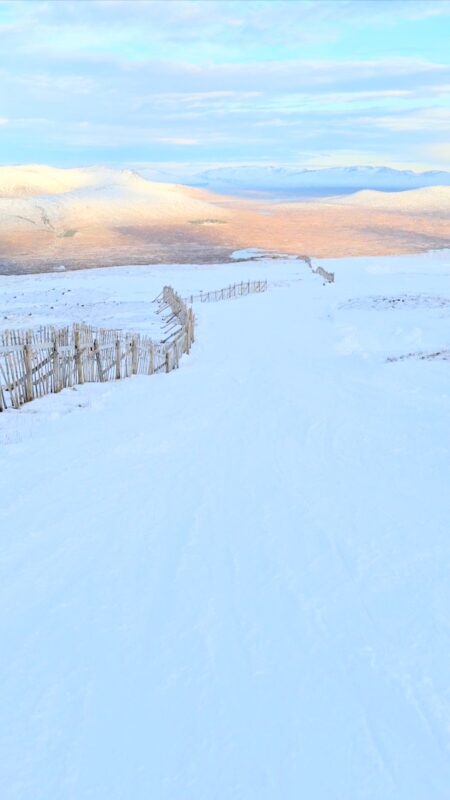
x: 433, y: 199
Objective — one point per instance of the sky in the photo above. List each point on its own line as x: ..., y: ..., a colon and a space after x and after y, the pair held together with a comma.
x: 304, y: 83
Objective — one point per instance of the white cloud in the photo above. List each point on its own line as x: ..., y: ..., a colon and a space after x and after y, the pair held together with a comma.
x: 177, y: 140
x: 439, y: 153
x: 429, y: 119
x: 237, y: 78
x: 350, y: 158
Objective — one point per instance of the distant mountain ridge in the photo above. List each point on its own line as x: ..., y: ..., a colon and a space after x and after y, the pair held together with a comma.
x: 42, y: 180
x: 332, y: 180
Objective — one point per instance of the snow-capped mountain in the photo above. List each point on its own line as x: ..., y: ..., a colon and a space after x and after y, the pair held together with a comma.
x: 331, y: 181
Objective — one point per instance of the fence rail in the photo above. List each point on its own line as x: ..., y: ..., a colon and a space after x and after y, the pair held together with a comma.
x: 39, y: 362
x: 327, y: 276
x: 236, y: 290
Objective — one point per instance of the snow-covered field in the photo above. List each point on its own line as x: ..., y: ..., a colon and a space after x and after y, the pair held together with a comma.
x: 232, y: 582
x: 123, y: 297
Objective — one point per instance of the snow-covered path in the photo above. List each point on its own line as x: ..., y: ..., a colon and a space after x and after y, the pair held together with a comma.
x: 231, y: 582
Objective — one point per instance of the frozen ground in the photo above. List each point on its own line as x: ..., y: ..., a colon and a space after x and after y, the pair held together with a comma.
x: 231, y: 582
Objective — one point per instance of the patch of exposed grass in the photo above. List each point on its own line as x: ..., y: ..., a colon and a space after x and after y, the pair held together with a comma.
x: 67, y: 233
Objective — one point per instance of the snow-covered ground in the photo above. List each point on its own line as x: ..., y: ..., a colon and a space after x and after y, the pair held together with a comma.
x: 123, y: 297
x: 231, y: 581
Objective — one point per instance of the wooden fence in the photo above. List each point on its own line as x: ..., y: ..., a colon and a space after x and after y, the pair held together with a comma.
x: 237, y: 290
x: 327, y: 276
x: 36, y: 363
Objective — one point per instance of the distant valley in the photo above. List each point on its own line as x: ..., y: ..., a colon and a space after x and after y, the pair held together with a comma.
x: 53, y: 218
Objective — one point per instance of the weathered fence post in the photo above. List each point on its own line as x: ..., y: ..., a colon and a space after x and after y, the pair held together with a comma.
x: 134, y: 356
x: 56, y: 366
x: 98, y: 359
x: 28, y: 362
x: 118, y: 358
x: 78, y: 361
x: 152, y: 359
x: 188, y: 331
x: 12, y: 382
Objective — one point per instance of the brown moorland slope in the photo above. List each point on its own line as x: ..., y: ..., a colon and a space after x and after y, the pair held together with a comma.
x: 99, y: 217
